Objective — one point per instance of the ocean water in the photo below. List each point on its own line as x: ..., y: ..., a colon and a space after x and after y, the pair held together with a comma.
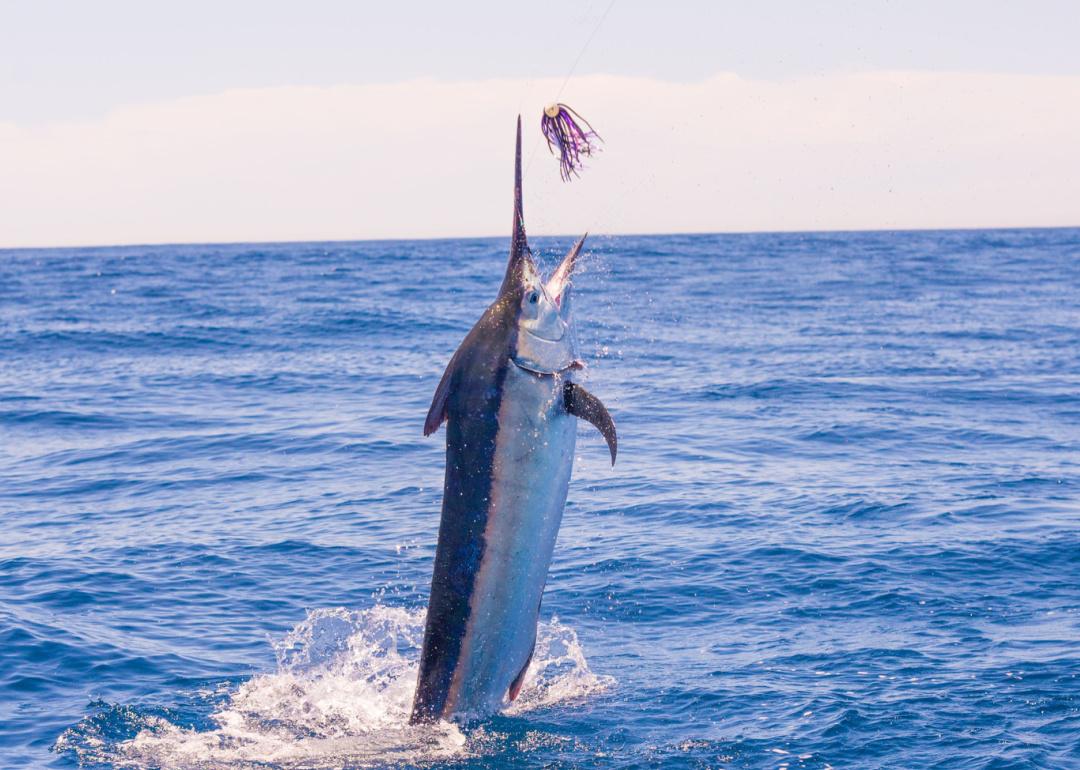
x: 843, y: 530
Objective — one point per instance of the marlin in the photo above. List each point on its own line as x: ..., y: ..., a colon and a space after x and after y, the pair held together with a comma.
x: 510, y: 404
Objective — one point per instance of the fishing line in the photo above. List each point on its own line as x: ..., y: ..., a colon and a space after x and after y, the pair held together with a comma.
x: 581, y: 53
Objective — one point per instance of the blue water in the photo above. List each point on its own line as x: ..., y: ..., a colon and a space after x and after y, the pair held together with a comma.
x: 843, y: 530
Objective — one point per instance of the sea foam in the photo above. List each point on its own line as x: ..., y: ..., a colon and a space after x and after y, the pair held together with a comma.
x: 341, y: 696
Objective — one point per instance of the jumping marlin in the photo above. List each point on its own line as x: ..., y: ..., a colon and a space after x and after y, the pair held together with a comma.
x: 509, y: 402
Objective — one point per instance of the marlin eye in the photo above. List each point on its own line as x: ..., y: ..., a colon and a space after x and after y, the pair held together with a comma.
x: 534, y: 297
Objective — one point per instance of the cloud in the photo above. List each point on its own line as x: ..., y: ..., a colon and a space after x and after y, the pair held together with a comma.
x: 427, y: 159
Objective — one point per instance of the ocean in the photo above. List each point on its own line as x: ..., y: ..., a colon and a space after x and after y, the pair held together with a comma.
x: 843, y: 530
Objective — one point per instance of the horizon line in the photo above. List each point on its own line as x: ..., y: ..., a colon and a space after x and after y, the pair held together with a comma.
x: 593, y: 234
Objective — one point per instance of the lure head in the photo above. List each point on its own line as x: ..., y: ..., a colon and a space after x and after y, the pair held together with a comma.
x: 570, y: 137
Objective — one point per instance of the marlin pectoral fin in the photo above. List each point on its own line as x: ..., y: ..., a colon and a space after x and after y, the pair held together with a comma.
x: 581, y: 403
x: 437, y: 413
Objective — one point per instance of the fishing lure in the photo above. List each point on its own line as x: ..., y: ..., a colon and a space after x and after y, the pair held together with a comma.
x: 570, y: 137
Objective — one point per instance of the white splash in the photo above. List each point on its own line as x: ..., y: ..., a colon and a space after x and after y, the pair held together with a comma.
x: 341, y: 697
x: 558, y: 671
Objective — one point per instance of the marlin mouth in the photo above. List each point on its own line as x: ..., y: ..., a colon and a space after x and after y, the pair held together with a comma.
x: 541, y: 337
x: 577, y: 363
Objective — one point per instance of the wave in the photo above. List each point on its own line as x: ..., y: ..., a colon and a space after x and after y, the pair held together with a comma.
x: 341, y: 696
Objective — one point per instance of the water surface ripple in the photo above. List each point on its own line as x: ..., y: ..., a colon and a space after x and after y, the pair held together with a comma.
x: 843, y: 531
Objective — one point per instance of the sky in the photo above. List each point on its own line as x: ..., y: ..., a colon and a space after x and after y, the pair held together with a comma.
x: 134, y: 122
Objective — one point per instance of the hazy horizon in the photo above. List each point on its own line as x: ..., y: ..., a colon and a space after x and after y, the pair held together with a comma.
x: 592, y: 237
